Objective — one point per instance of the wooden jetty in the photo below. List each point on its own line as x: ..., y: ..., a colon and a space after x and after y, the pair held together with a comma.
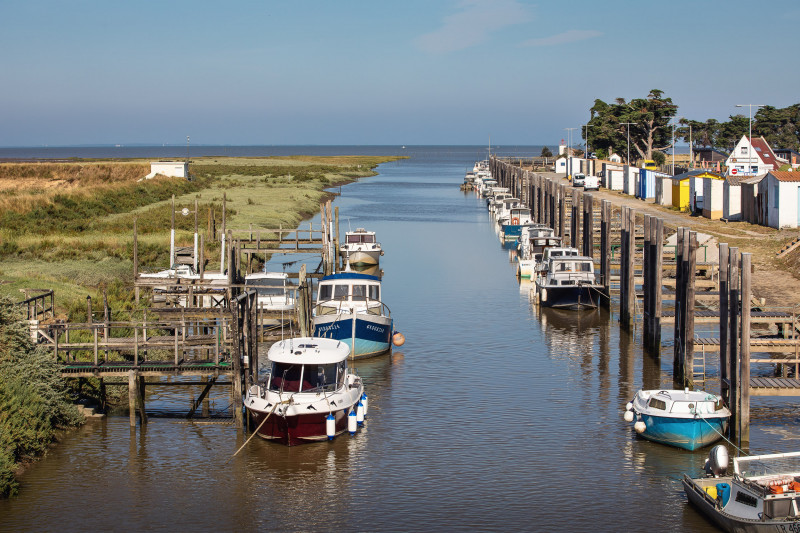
x: 635, y: 263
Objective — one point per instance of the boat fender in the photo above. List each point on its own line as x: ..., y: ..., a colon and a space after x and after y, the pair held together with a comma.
x: 628, y: 406
x: 640, y: 426
x: 628, y: 416
x: 352, y: 423
x: 514, y: 221
x: 360, y: 413
x: 398, y: 339
x: 544, y: 295
x: 364, y: 401
x: 330, y: 426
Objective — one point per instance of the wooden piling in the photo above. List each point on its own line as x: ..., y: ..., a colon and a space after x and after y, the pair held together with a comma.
x: 733, y: 337
x: 744, y: 362
x: 574, y: 215
x: 691, y: 267
x: 605, y: 252
x: 724, y: 356
x: 132, y: 381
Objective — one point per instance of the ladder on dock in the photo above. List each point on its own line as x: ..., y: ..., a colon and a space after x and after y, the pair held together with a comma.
x: 699, y: 370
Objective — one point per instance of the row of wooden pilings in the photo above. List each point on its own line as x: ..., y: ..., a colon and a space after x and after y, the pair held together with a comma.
x: 571, y: 213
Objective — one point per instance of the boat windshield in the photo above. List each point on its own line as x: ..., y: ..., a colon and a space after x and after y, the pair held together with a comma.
x: 288, y: 377
x: 572, y: 266
x: 266, y: 287
x: 360, y: 238
x: 340, y: 291
x: 769, y: 465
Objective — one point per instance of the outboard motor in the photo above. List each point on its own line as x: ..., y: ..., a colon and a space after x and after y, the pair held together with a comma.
x: 717, y: 462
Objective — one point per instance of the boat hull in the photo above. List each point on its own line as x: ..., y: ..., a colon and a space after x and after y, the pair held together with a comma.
x: 687, y: 433
x: 707, y: 505
x: 363, y: 257
x: 568, y: 296
x: 298, y: 429
x: 372, y: 333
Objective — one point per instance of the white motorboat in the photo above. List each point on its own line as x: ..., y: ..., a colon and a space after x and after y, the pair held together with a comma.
x: 360, y: 248
x: 349, y: 309
x: 682, y: 418
x: 567, y: 281
x: 308, y: 394
x: 532, y: 244
x: 273, y: 296
x: 762, y: 494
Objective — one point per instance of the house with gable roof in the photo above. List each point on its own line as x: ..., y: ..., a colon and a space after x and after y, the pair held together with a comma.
x: 752, y: 157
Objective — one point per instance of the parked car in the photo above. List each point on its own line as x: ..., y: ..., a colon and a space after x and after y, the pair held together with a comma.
x: 591, y: 183
x: 577, y: 180
x: 649, y: 164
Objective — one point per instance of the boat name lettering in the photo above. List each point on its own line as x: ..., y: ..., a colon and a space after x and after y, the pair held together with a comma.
x: 375, y: 328
x: 328, y: 328
x: 791, y: 528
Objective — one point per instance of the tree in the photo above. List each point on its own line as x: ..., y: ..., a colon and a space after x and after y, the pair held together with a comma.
x: 546, y: 152
x: 644, y: 120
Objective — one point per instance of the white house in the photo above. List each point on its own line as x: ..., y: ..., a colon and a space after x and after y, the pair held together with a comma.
x: 615, y: 158
x: 172, y: 169
x: 782, y: 190
x: 752, y: 157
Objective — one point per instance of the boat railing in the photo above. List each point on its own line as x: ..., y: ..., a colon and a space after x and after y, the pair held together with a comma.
x: 368, y: 306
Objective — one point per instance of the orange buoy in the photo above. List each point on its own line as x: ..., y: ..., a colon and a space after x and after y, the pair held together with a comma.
x: 515, y: 221
x: 398, y: 339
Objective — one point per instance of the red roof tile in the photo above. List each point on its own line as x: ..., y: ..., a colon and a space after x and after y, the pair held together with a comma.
x: 785, y: 175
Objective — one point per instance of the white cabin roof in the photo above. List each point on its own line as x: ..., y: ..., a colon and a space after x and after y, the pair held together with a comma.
x: 308, y: 351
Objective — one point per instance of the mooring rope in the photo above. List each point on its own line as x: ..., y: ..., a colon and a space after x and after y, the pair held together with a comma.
x: 256, y: 431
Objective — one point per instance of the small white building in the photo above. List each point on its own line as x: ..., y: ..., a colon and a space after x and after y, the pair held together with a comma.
x: 751, y: 157
x: 630, y: 175
x: 171, y: 169
x: 782, y: 198
x: 732, y: 198
x: 664, y: 190
x: 615, y: 158
x: 713, y: 197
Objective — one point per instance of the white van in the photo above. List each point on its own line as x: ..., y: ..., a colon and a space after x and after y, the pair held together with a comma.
x: 591, y: 183
x: 577, y: 180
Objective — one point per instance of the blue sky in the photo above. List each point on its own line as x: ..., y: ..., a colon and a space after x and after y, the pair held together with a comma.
x: 376, y: 72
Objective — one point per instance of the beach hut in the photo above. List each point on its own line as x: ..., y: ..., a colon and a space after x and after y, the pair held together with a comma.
x: 664, y: 190
x: 713, y: 196
x: 781, y: 192
x: 680, y: 191
x: 612, y: 176
x: 630, y: 175
x: 732, y: 197
x: 753, y: 207
x: 646, y: 183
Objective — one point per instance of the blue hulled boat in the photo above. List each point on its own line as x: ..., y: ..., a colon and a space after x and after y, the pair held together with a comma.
x: 349, y: 309
x: 683, y: 418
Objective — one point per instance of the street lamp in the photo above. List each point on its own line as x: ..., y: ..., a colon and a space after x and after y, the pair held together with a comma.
x: 569, y: 152
x: 750, y: 134
x: 629, y: 124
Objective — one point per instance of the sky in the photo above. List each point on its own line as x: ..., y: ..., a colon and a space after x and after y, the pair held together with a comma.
x: 377, y: 72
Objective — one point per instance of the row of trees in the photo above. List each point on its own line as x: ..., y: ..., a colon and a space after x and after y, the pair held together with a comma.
x: 643, y: 127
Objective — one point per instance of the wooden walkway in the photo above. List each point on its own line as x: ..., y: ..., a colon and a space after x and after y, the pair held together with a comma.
x: 774, y: 386
x: 146, y: 368
x: 712, y: 317
x: 769, y: 345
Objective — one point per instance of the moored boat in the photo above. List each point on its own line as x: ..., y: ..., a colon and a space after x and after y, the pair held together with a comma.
x: 349, y: 309
x: 567, y: 281
x: 762, y: 494
x: 682, y: 418
x: 360, y: 248
x: 308, y: 394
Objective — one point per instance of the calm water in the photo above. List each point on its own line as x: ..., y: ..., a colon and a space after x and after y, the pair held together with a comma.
x: 493, y: 416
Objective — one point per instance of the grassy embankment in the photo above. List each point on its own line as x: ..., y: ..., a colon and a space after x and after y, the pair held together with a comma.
x: 68, y: 227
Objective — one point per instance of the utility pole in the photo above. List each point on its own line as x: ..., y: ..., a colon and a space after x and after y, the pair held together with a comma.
x: 569, y: 152
x: 629, y: 124
x: 750, y: 135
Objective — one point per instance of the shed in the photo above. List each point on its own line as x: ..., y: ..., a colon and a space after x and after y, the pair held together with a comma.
x: 713, y: 197
x: 646, y: 183
x: 612, y: 176
x: 664, y: 190
x: 732, y: 197
x: 781, y: 190
x: 629, y: 176
x: 753, y: 210
x: 680, y: 191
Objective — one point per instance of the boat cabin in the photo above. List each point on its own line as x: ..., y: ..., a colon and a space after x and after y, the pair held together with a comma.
x: 570, y: 270
x: 360, y: 236
x: 272, y: 291
x: 348, y: 289
x: 310, y: 365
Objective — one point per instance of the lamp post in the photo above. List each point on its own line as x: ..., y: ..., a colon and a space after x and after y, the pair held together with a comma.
x: 750, y: 134
x: 569, y: 152
x: 629, y: 124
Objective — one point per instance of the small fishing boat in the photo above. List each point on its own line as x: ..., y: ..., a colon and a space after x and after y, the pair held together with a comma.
x: 683, y: 418
x: 567, y: 281
x: 308, y: 394
x: 513, y: 224
x: 349, y: 309
x: 762, y: 494
x: 360, y: 248
x: 531, y: 247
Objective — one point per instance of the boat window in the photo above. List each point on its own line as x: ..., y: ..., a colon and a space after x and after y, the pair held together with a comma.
x: 353, y: 239
x: 368, y: 238
x: 374, y: 292
x: 319, y: 377
x: 655, y: 403
x: 285, y: 377
x: 359, y: 292
x: 585, y: 267
x: 340, y: 292
x: 325, y: 292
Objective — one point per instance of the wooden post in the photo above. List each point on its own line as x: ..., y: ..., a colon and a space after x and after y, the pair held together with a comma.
x: 691, y: 266
x: 588, y: 236
x: 132, y: 393
x: 724, y: 358
x: 658, y: 282
x: 630, y: 291
x: 141, y: 391
x: 236, y: 378
x: 678, y: 331
x: 562, y: 212
x: 647, y: 281
x: 733, y: 338
x: 573, y: 237
x: 605, y: 252
x: 744, y: 383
